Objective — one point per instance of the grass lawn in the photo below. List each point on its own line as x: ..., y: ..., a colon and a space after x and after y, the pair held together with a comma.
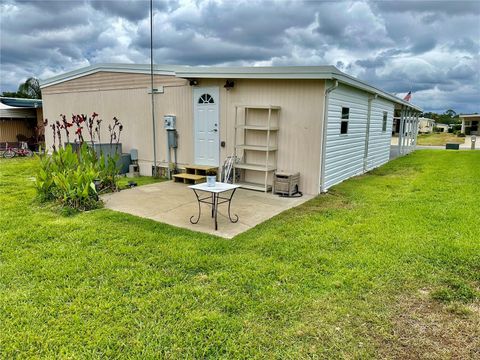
x: 387, y: 265
x: 438, y: 139
x: 141, y: 180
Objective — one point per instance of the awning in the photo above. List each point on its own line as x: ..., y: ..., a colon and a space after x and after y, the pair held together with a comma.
x: 14, y: 112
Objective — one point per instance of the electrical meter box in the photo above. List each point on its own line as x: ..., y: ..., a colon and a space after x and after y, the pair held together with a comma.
x: 169, y: 122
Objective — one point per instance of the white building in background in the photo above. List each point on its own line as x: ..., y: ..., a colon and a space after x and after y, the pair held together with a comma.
x: 425, y: 125
x: 442, y: 127
x: 470, y: 124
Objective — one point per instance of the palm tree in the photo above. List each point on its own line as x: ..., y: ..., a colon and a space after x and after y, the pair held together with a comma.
x: 30, y: 88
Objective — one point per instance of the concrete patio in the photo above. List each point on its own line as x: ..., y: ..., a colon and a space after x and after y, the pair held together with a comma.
x: 174, y: 204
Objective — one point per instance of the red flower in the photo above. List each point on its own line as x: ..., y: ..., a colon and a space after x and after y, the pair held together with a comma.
x: 79, y: 131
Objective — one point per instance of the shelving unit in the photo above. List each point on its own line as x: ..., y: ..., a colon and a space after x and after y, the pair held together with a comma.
x: 265, y: 129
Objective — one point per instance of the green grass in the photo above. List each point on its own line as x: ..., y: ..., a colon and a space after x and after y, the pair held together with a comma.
x: 322, y: 280
x: 439, y: 139
x: 141, y: 180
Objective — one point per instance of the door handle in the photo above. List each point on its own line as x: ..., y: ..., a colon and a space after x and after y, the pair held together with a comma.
x: 214, y: 130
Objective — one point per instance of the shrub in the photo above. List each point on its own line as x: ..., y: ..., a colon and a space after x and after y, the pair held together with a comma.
x: 75, y: 177
x: 69, y: 178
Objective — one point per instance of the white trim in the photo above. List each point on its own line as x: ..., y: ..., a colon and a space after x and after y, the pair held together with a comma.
x: 93, y: 69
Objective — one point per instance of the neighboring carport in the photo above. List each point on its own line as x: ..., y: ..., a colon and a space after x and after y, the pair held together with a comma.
x: 470, y: 124
x: 19, y: 118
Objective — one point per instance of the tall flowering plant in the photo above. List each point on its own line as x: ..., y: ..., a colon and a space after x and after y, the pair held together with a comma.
x: 75, y: 178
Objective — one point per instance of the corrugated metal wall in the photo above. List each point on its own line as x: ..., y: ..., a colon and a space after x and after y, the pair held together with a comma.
x: 379, y: 140
x: 344, y: 152
x: 9, y: 129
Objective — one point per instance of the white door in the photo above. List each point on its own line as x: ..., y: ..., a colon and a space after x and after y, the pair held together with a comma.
x: 207, y: 145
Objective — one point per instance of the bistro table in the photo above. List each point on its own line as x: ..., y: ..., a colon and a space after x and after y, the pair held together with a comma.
x: 214, y: 199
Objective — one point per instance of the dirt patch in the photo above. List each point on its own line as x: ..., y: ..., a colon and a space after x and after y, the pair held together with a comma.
x: 427, y: 329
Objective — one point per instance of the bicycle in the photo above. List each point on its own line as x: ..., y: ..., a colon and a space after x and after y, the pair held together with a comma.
x: 11, y: 152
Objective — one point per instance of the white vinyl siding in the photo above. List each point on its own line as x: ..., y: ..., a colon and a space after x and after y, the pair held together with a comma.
x: 344, y: 152
x: 379, y: 140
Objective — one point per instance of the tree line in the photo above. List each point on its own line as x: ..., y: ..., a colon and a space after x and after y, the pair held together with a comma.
x: 448, y: 117
x: 30, y: 89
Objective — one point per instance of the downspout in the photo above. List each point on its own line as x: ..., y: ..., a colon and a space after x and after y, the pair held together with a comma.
x: 416, y: 132
x: 154, y: 127
x: 324, y: 135
x: 401, y: 131
x: 367, y: 131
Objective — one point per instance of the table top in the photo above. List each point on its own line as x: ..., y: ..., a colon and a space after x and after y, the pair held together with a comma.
x: 218, y: 188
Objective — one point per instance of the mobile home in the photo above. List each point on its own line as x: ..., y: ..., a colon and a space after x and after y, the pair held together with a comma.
x: 317, y: 121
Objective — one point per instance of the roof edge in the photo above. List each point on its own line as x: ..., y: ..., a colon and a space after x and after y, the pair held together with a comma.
x: 23, y: 103
x: 328, y: 72
x: 92, y: 69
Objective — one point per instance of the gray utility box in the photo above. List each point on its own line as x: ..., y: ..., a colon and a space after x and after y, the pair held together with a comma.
x: 169, y: 122
x: 286, y: 183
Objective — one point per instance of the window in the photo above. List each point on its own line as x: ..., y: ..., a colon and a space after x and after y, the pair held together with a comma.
x: 344, y: 123
x: 206, y: 99
x: 384, y: 123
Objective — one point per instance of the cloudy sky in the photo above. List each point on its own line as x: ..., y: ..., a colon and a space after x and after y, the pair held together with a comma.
x: 429, y: 47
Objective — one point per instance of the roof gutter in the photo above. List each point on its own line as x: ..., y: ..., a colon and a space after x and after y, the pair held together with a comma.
x: 324, y: 134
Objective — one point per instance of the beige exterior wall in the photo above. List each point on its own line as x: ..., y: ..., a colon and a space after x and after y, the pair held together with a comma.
x: 126, y: 96
x: 110, y: 80
x: 300, y: 120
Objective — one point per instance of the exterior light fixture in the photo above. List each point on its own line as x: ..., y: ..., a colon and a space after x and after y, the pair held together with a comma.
x: 229, y: 84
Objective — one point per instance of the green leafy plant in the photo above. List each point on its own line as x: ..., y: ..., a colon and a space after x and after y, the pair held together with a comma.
x: 44, y: 179
x: 75, y: 176
x: 108, y: 172
x: 68, y: 178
